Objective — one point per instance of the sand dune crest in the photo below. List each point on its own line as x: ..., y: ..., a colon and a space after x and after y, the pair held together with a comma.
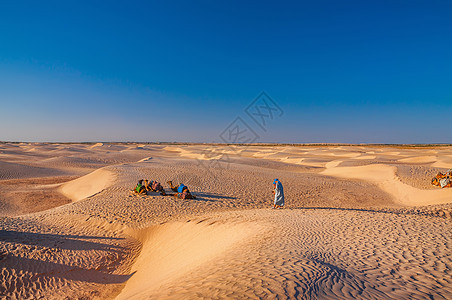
x: 385, y: 177
x: 88, y: 185
x: 170, y: 250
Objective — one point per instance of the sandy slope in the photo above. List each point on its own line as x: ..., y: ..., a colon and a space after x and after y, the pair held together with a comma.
x: 88, y: 185
x: 385, y: 177
x: 326, y: 254
x: 358, y: 223
x: 173, y: 249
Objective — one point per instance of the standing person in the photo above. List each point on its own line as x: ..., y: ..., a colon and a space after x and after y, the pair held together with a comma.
x: 279, y: 194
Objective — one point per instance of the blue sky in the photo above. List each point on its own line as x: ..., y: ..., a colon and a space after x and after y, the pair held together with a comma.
x: 342, y: 71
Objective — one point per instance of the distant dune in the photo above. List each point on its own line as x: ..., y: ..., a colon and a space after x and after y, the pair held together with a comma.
x: 360, y: 221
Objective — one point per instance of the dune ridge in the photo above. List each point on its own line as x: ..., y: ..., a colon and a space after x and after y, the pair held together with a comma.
x: 385, y: 177
x: 88, y: 185
x: 171, y: 250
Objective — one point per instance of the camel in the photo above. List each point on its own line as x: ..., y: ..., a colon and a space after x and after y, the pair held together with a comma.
x: 443, y: 180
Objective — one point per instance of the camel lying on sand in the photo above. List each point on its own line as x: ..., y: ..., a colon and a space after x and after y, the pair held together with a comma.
x: 443, y: 180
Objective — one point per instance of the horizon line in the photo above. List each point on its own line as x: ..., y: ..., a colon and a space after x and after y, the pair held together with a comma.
x: 240, y: 144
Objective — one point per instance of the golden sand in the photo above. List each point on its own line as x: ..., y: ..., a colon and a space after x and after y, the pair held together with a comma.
x: 359, y: 222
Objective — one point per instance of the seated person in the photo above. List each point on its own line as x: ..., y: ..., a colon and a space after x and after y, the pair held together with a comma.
x: 182, y: 191
x: 154, y: 186
x: 140, y: 188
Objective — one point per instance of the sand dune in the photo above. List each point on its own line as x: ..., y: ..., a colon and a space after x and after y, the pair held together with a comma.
x: 199, y: 154
x: 333, y: 164
x: 97, y: 145
x: 171, y: 250
x: 327, y: 254
x: 344, y: 154
x: 292, y: 160
x: 360, y: 222
x: 365, y: 157
x: 444, y: 162
x: 16, y: 170
x: 384, y: 176
x: 72, y: 162
x: 419, y: 159
x: 145, y: 159
x: 88, y: 185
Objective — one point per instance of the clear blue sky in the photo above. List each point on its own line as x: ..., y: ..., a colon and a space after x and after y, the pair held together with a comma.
x: 342, y: 71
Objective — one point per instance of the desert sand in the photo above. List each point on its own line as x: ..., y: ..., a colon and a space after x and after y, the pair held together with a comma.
x: 360, y: 222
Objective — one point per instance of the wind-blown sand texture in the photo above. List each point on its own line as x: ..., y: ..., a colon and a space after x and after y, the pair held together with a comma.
x: 360, y: 222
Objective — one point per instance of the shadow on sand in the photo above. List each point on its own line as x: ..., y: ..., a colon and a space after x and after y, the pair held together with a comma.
x: 69, y: 242
x: 45, y: 261
x: 35, y: 269
x: 211, y: 197
x: 394, y: 211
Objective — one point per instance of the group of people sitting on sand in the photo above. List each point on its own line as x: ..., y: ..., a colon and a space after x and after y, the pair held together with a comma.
x: 443, y: 180
x: 181, y: 191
